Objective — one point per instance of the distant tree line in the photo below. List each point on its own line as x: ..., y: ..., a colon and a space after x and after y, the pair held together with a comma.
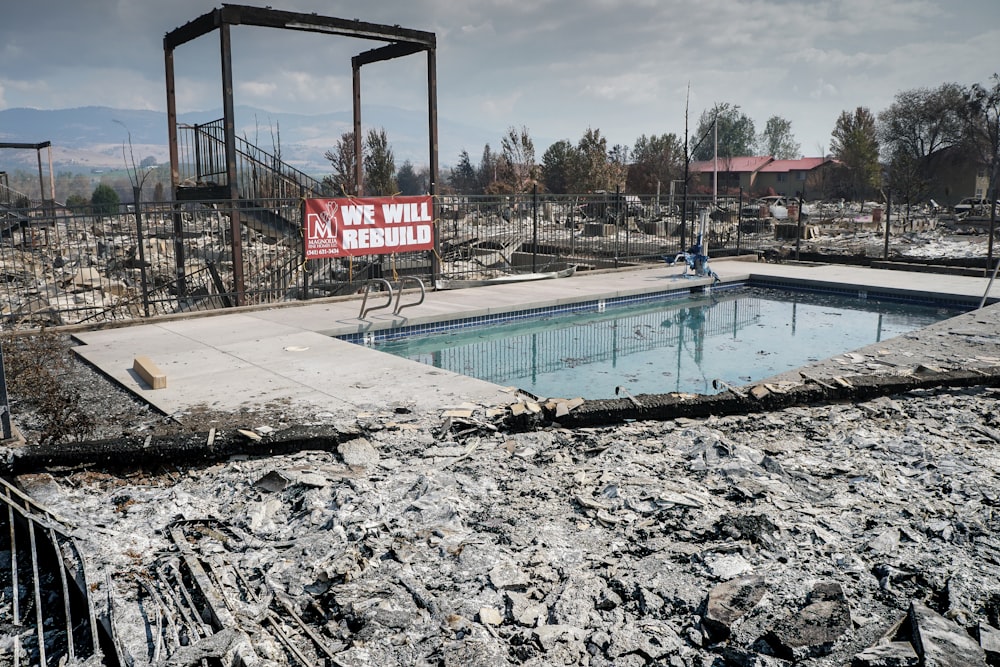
x: 77, y: 190
x: 895, y: 149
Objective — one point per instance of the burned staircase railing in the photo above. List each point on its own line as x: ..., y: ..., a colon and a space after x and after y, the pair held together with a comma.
x: 13, y: 209
x: 44, y: 582
x: 260, y: 174
x: 265, y: 187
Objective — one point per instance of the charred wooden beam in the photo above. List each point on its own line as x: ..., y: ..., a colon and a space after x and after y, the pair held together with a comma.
x: 388, y: 52
x: 275, y: 18
x: 664, y: 407
x: 137, y: 452
x: 35, y: 147
x: 191, y: 30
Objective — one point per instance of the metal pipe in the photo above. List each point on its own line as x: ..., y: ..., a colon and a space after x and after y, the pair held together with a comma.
x: 798, y: 229
x: 41, y: 179
x: 399, y: 296
x: 140, y: 244
x: 15, y: 586
x: 368, y: 286
x: 67, y: 611
x: 39, y: 614
x: 989, y: 285
x: 52, y: 179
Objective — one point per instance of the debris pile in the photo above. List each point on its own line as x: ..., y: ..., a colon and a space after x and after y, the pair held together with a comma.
x: 860, y: 530
x: 802, y: 537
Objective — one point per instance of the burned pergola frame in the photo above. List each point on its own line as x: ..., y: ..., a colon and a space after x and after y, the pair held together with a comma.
x: 399, y: 42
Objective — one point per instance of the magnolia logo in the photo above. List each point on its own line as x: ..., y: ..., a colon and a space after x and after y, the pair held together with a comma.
x: 325, y: 224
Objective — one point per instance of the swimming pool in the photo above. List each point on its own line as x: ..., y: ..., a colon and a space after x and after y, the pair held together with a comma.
x: 679, y: 345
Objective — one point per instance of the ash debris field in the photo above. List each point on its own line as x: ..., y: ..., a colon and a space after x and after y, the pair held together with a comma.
x: 822, y: 534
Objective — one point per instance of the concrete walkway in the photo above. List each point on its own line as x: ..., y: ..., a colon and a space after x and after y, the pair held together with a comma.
x: 285, y: 357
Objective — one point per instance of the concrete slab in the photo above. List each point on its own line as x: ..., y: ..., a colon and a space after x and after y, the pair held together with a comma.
x: 242, y: 358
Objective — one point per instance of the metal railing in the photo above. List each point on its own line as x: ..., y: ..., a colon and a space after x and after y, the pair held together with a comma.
x: 260, y: 174
x: 66, y: 266
x: 98, y: 265
x: 50, y: 592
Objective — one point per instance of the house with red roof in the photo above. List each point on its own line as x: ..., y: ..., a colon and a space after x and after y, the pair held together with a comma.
x: 791, y: 178
x: 762, y: 175
x: 733, y: 173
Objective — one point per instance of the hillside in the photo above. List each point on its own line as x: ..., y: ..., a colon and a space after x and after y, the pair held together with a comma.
x: 88, y: 138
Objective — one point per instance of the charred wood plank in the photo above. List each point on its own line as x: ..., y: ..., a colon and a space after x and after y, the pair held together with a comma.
x: 664, y: 407
x: 140, y: 451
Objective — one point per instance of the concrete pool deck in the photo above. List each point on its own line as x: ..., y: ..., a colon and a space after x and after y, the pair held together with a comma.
x: 286, y: 357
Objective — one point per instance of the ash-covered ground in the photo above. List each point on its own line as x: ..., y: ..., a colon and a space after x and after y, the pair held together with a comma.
x: 801, y: 536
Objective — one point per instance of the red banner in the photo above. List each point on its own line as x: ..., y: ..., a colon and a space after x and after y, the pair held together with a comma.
x: 368, y: 226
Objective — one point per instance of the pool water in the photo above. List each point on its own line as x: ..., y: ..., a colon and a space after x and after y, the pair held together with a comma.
x: 678, y: 345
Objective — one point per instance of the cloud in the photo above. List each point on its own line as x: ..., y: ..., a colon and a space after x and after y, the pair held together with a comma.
x: 636, y: 88
x: 836, y: 60
x: 28, y: 93
x: 499, y: 107
x: 484, y: 29
x: 290, y: 90
x: 822, y: 89
x: 256, y: 91
x: 621, y: 65
x: 196, y: 94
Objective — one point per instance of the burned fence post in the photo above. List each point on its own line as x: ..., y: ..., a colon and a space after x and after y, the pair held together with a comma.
x: 6, y: 429
x: 534, y: 228
x: 798, y: 228
x: 888, y: 224
x: 140, y: 244
x: 739, y: 223
x: 618, y: 222
x: 180, y: 274
x: 304, y: 294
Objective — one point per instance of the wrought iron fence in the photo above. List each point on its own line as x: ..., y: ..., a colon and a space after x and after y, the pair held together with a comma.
x: 66, y: 266
x: 131, y: 261
x: 484, y: 235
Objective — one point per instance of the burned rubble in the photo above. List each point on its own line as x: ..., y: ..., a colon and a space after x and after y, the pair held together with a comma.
x: 833, y: 529
x: 830, y: 534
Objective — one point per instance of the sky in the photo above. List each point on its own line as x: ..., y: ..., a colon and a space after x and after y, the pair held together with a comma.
x: 556, y: 67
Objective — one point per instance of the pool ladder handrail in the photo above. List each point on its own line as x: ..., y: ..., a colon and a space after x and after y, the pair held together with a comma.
x: 368, y: 288
x: 399, y: 296
x: 989, y: 285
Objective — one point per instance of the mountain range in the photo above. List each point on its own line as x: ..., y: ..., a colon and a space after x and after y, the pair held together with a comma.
x: 95, y: 138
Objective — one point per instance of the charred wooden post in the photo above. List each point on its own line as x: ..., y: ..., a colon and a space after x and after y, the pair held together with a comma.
x: 6, y: 429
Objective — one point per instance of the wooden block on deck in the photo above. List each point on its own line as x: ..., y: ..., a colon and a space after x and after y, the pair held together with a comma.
x: 149, y: 372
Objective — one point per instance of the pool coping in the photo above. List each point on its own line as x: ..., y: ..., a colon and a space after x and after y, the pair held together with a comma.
x: 233, y: 360
x: 369, y: 333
